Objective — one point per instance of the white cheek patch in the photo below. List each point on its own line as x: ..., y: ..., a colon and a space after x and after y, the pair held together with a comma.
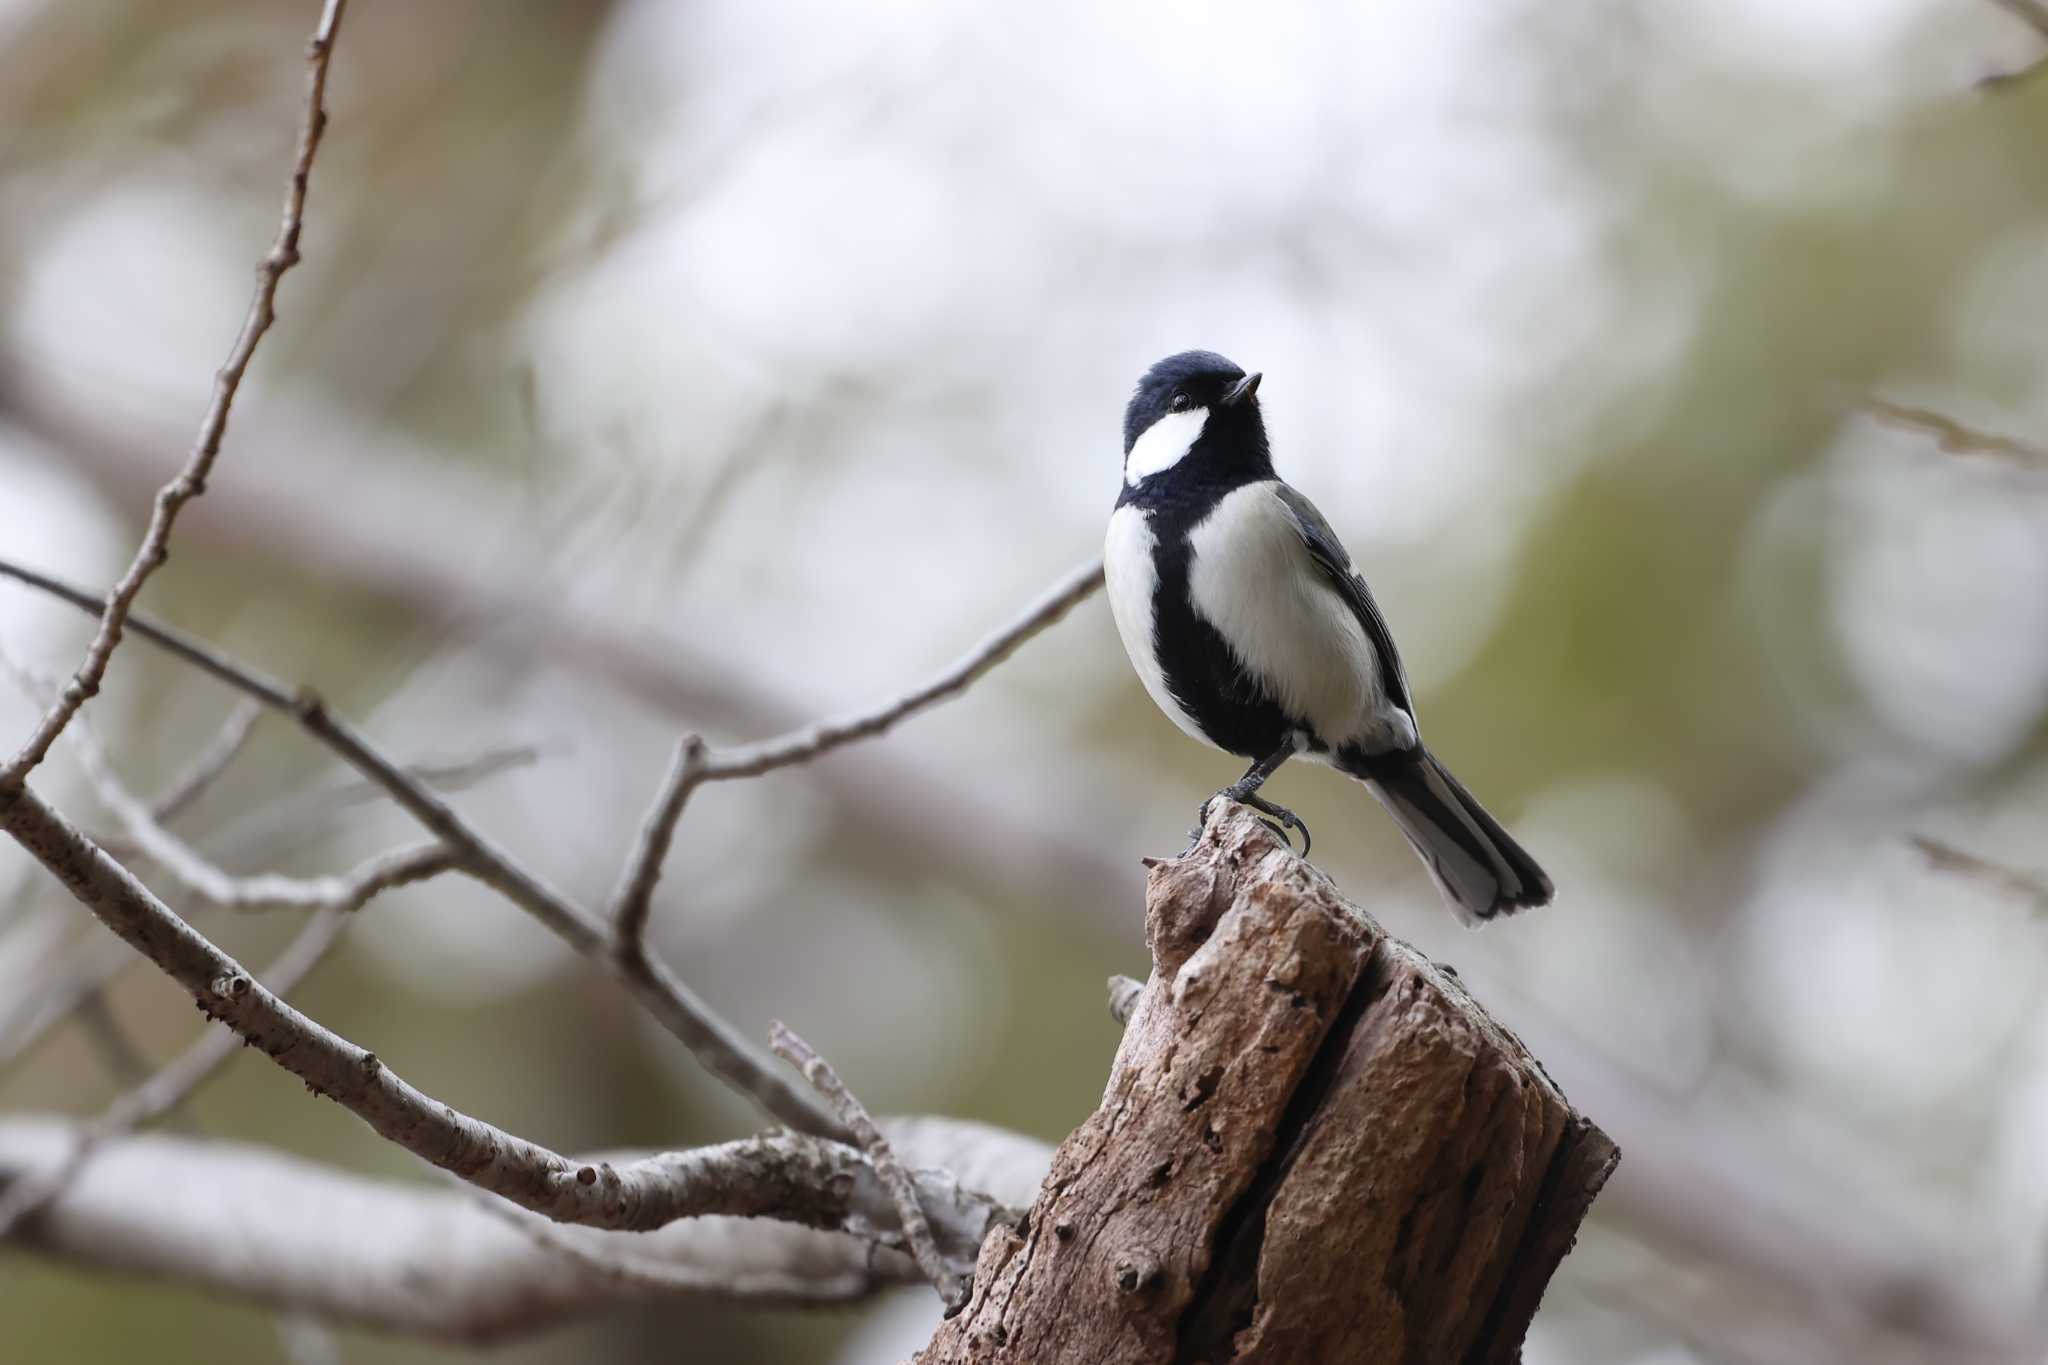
x: 1164, y: 444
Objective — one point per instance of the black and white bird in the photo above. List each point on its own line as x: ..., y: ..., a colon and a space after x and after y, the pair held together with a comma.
x: 1251, y: 630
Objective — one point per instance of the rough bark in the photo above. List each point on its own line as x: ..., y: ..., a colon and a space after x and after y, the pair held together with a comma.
x: 1315, y: 1147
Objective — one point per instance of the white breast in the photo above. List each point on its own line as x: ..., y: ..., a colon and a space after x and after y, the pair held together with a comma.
x: 1253, y: 579
x: 1131, y: 578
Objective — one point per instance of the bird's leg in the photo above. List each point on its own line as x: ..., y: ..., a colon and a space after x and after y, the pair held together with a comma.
x: 1246, y: 790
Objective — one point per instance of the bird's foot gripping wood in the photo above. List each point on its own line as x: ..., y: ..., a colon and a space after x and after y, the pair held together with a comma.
x: 1315, y: 1148
x: 1282, y: 821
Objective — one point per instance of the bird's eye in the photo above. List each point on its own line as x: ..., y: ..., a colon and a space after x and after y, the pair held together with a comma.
x: 1180, y: 402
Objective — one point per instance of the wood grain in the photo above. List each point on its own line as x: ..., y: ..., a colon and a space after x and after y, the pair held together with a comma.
x: 1314, y: 1147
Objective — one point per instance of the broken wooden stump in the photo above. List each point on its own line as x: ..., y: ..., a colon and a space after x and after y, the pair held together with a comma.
x: 1315, y: 1148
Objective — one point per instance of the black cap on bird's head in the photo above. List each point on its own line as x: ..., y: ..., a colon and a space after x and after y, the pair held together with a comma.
x: 1183, y: 382
x: 1210, y: 410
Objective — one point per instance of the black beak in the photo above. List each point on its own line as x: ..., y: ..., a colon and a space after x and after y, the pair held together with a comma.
x: 1243, y: 389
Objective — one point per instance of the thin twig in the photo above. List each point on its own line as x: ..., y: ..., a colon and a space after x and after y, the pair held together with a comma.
x: 1997, y: 877
x: 719, y: 1046
x: 206, y: 766
x: 268, y: 691
x: 1952, y: 436
x: 191, y: 481
x: 694, y: 765
x: 296, y: 818
x: 203, y: 878
x: 800, y: 746
x: 267, y: 891
x: 95, y: 963
x: 262, y: 891
x: 643, y: 869
x: 917, y: 1229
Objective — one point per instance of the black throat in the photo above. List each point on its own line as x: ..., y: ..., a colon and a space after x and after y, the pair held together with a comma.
x: 1230, y: 453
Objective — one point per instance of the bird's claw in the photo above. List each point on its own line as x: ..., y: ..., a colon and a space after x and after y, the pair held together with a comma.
x: 1286, y: 818
x: 1283, y: 819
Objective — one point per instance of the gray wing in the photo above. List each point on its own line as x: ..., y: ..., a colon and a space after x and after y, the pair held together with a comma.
x: 1328, y: 553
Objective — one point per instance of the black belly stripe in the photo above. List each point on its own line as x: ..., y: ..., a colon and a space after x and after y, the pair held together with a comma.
x: 1232, y: 707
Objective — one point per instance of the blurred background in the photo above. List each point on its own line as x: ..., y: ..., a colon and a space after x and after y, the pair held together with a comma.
x: 726, y: 365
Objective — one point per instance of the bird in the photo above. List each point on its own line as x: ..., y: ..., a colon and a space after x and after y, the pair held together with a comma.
x: 1251, y: 630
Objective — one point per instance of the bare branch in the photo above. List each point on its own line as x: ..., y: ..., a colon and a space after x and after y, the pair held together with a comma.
x: 297, y: 817
x: 792, y: 1177
x: 720, y: 1047
x: 1952, y: 436
x: 190, y: 649
x: 263, y: 1227
x: 300, y: 1340
x: 1996, y: 877
x: 348, y: 891
x: 1006, y: 1163
x: 715, y: 1043
x: 1788, y: 1234
x: 952, y: 1281
x: 273, y: 1229
x: 264, y: 891
x: 636, y: 884
x: 1005, y: 832
x: 169, y: 1087
x: 694, y: 765
x: 191, y: 481
x: 201, y: 877
x: 619, y: 1266
x: 75, y: 980
x: 800, y: 746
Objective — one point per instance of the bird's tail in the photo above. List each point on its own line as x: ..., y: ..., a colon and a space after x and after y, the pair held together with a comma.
x: 1478, y: 866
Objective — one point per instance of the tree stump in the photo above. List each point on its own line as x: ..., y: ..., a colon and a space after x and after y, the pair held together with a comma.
x: 1315, y: 1148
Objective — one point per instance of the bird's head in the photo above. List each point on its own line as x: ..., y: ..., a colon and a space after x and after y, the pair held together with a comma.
x: 1196, y: 404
